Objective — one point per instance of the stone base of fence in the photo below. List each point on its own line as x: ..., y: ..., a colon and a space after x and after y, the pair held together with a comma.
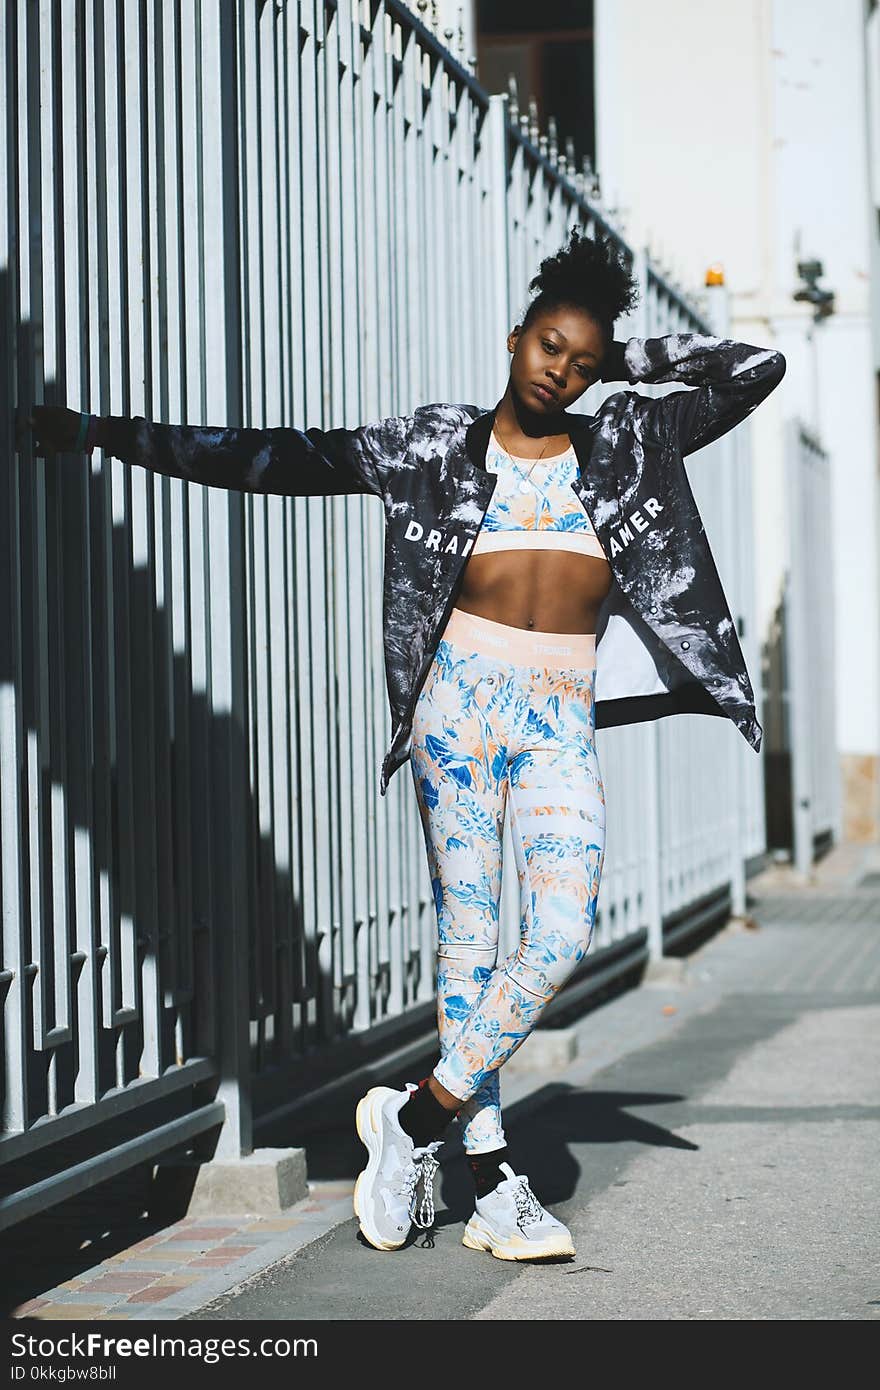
x: 265, y: 1182
x: 664, y: 970
x: 543, y: 1050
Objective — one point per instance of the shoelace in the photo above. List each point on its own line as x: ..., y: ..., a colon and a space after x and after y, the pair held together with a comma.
x: 527, y: 1205
x: 424, y: 1166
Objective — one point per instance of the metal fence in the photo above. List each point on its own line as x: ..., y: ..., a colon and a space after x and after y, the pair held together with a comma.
x: 809, y: 649
x: 289, y: 213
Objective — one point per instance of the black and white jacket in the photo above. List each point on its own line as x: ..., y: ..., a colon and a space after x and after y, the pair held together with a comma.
x: 666, y: 642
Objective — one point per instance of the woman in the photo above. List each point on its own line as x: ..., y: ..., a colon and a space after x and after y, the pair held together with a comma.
x: 517, y: 537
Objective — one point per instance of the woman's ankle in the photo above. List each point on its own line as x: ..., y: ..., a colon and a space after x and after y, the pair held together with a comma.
x: 486, y: 1170
x: 424, y: 1117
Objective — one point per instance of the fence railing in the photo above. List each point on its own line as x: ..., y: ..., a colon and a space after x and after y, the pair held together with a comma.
x: 301, y: 213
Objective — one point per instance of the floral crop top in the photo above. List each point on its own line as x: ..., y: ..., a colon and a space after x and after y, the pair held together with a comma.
x: 535, y: 511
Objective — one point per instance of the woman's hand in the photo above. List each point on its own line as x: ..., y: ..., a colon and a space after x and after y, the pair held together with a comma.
x: 54, y: 429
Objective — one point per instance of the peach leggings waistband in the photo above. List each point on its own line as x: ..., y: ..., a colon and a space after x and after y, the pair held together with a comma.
x: 518, y: 645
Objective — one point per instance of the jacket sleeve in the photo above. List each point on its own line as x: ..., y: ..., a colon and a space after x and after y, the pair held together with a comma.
x: 731, y: 379
x: 282, y: 460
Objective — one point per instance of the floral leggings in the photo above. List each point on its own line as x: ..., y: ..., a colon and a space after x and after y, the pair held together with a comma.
x: 505, y: 716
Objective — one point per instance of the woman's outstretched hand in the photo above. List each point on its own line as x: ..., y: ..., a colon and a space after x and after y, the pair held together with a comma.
x: 54, y: 429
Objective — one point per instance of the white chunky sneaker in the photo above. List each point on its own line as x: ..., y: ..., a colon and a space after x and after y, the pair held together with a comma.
x: 511, y: 1223
x: 386, y: 1195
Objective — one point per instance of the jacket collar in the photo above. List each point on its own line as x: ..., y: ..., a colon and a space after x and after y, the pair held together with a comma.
x: 580, y: 429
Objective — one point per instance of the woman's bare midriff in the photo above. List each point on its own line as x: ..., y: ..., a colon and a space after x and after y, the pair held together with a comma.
x: 544, y: 590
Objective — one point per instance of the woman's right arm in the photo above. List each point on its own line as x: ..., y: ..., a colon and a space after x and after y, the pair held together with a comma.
x: 280, y: 460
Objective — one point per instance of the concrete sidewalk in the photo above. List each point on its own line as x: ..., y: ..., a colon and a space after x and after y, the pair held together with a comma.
x: 712, y: 1148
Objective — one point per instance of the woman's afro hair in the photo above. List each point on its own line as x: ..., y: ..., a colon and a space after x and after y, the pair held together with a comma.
x: 589, y: 273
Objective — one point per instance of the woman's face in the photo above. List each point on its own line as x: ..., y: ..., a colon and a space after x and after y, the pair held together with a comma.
x: 561, y: 351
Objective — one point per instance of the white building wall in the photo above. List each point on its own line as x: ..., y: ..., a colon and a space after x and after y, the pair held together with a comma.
x: 739, y: 132
x: 872, y: 83
x: 679, y: 132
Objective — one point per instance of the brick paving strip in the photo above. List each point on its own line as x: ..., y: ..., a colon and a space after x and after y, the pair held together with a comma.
x: 178, y: 1270
x: 183, y: 1268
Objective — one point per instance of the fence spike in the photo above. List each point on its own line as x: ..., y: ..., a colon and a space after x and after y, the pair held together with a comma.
x: 513, y: 103
x: 533, y: 120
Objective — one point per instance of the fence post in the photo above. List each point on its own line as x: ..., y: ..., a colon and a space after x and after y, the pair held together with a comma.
x: 795, y: 632
x: 226, y: 605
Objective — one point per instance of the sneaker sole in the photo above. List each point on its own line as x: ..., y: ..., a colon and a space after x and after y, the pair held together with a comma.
x: 480, y: 1237
x: 369, y: 1137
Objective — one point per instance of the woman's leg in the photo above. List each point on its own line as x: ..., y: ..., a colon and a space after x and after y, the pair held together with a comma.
x: 459, y: 767
x: 557, y: 809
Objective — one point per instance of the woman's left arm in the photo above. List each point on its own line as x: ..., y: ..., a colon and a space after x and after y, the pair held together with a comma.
x: 731, y: 379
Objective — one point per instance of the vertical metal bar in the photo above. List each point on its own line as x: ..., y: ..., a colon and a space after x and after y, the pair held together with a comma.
x: 369, y: 153
x: 258, y: 95
x: 13, y: 384
x: 372, y: 864
x: 32, y: 529
x: 121, y: 975
x: 226, y: 618
x: 795, y: 631
x: 298, y: 60
x: 310, y: 539
x: 100, y: 511
x: 322, y: 614
x: 169, y: 930
x: 256, y: 75
x: 826, y: 732
x: 351, y: 662
x: 141, y: 582
x: 275, y: 955
x: 58, y: 868
x: 343, y: 391
x: 194, y: 692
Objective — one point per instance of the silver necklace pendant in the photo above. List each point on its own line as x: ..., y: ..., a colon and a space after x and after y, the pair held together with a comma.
x: 524, y: 485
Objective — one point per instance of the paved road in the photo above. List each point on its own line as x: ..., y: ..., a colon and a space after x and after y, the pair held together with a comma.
x: 713, y: 1149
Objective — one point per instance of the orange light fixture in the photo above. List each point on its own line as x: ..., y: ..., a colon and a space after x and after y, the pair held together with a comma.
x: 715, y: 274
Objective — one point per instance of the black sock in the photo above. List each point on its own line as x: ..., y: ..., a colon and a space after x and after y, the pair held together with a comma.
x: 423, y: 1117
x: 486, y: 1170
